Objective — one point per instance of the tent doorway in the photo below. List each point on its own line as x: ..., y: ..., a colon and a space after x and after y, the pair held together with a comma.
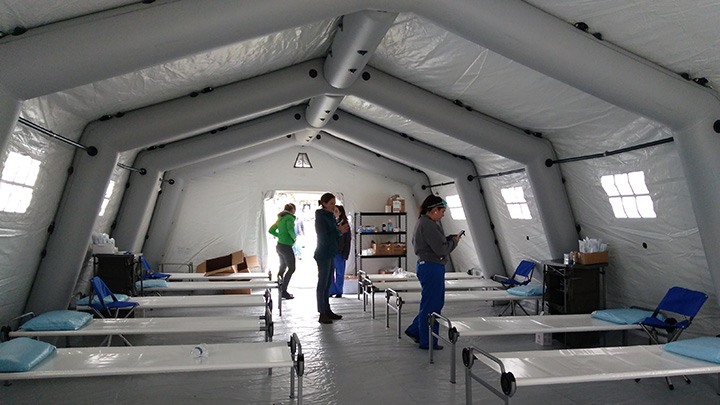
x: 306, y: 202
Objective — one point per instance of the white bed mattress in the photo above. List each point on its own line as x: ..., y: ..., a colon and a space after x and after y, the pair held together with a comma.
x: 223, y: 277
x: 497, y: 326
x: 414, y: 285
x: 596, y: 364
x: 213, y: 285
x: 141, y: 326
x: 102, y: 361
x: 467, y: 296
x: 195, y: 301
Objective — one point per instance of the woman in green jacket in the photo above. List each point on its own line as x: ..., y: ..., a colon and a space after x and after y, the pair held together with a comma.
x: 284, y: 230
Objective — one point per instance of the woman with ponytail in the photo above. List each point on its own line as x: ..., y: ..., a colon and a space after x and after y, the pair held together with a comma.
x: 432, y: 248
x: 284, y: 230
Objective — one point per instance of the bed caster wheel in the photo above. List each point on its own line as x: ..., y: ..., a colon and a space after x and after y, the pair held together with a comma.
x: 467, y: 358
x: 507, y: 383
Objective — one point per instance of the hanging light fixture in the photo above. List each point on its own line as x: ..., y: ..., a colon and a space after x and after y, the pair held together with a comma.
x: 302, y: 161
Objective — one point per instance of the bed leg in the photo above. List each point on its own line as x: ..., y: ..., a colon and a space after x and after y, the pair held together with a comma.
x: 468, y: 386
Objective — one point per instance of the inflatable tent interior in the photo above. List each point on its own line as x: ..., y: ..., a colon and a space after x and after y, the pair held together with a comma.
x: 173, y: 126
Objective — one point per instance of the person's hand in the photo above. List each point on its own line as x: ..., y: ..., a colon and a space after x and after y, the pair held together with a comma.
x: 344, y: 228
x: 457, y: 238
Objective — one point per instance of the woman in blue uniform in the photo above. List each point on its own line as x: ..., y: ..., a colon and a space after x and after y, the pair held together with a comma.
x: 432, y: 248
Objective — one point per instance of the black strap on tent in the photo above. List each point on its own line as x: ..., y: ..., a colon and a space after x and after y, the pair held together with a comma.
x: 479, y: 176
x: 91, y: 150
x: 126, y: 167
x: 551, y: 162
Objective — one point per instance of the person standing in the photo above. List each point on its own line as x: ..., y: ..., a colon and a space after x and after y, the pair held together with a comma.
x: 336, y: 288
x: 432, y: 248
x: 284, y: 230
x: 328, y: 233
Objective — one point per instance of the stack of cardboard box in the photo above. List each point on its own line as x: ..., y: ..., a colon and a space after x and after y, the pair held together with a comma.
x: 235, y: 262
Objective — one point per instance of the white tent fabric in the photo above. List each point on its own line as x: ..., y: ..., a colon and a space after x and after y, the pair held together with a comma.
x: 430, y: 48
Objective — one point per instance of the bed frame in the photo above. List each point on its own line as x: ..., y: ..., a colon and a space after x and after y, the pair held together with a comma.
x: 411, y: 285
x: 205, y: 286
x: 519, y: 325
x: 198, y: 301
x: 110, y: 361
x: 147, y: 326
x: 545, y: 367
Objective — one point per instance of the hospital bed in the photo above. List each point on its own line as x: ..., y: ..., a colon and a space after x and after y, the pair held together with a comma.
x: 198, y: 301
x: 545, y: 367
x: 516, y: 325
x: 221, y: 277
x: 205, y: 286
x: 395, y: 300
x: 372, y: 287
x: 150, y: 326
x: 407, y: 275
x: 109, y: 361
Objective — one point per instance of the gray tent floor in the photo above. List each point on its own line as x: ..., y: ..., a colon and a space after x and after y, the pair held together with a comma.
x: 356, y: 360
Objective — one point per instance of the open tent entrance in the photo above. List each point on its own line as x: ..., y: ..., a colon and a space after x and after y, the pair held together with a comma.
x: 306, y: 202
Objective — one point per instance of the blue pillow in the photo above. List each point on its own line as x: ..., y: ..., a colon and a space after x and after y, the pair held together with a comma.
x: 702, y: 348
x: 58, y: 320
x: 22, y: 354
x: 152, y: 284
x: 96, y: 300
x: 526, y: 290
x: 623, y: 316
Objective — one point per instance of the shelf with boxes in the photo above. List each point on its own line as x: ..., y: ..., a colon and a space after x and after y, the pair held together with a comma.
x: 380, y: 235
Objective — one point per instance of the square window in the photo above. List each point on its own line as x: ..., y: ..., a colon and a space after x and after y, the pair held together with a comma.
x: 18, y: 179
x: 628, y: 195
x: 517, y: 205
x: 456, y: 210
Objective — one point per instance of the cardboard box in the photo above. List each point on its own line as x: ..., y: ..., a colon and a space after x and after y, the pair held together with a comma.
x: 232, y: 263
x: 382, y: 249
x: 592, y: 258
x: 398, y: 248
x: 543, y: 339
x: 396, y: 203
x: 235, y: 262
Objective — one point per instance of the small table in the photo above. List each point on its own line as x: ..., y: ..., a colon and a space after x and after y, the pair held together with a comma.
x: 568, y: 286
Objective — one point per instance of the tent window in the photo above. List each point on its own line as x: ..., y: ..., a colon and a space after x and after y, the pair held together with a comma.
x: 516, y: 204
x: 106, y: 199
x: 18, y: 180
x: 628, y: 194
x: 456, y: 210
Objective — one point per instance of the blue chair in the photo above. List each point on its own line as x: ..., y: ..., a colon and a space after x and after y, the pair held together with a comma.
x: 679, y: 307
x: 522, y: 276
x: 148, y: 274
x: 104, y: 305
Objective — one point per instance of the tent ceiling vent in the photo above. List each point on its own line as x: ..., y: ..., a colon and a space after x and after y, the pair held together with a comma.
x: 302, y: 161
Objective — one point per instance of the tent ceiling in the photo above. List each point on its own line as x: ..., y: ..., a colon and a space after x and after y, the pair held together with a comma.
x: 415, y: 50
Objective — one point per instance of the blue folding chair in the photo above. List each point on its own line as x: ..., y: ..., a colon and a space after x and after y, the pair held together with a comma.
x: 679, y: 307
x: 111, y: 306
x: 148, y: 273
x: 522, y: 276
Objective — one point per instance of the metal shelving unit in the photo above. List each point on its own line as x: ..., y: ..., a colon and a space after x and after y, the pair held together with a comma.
x: 374, y: 218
